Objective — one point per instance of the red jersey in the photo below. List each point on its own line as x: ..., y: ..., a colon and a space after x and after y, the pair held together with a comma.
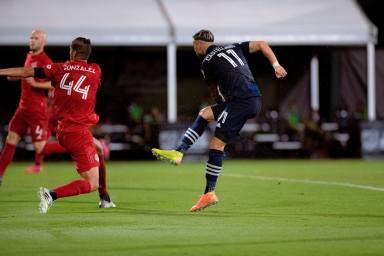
x: 34, y: 99
x: 76, y: 84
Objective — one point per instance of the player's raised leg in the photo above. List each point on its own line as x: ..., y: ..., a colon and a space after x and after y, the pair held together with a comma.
x: 191, y: 135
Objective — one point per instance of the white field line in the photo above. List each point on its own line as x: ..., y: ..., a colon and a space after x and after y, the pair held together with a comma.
x: 341, y: 184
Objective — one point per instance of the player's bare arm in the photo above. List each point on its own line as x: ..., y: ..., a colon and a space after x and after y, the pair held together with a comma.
x: 17, y: 72
x: 13, y: 78
x: 32, y: 82
x: 255, y: 46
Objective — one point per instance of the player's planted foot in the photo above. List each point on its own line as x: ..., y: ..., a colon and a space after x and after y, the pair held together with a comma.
x: 172, y: 156
x: 205, y: 201
x: 106, y: 202
x: 46, y: 200
x: 1, y: 180
x: 34, y: 169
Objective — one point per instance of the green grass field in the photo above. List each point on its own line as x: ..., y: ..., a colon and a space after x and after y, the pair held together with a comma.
x: 266, y: 208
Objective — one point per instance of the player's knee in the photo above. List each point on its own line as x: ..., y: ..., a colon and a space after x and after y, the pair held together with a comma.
x: 206, y: 113
x: 94, y: 184
x: 92, y: 176
x: 12, y: 138
x: 39, y: 146
x: 217, y: 144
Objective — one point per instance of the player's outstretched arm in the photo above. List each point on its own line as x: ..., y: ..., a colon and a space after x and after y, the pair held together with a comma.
x: 255, y: 46
x: 13, y: 78
x: 17, y: 72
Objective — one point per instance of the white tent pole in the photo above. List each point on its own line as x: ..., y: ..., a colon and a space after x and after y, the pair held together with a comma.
x: 315, y: 98
x: 371, y: 86
x: 171, y: 83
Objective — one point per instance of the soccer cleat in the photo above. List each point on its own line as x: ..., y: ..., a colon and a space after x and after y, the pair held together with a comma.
x: 172, y: 156
x: 34, y: 169
x: 106, y: 204
x: 205, y: 201
x: 46, y: 200
x: 1, y: 180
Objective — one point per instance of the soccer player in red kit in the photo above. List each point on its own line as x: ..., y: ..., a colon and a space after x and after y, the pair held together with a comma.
x: 31, y: 113
x: 102, y: 148
x: 76, y: 83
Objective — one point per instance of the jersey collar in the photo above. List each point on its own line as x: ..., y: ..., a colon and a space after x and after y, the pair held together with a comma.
x: 209, y: 49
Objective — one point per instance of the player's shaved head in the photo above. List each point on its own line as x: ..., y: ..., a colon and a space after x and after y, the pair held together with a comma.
x: 37, y: 41
x: 202, y: 40
x: 204, y: 35
x: 81, y: 48
x: 40, y: 32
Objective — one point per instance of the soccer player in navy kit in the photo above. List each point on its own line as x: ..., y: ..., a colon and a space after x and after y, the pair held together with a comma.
x: 226, y: 68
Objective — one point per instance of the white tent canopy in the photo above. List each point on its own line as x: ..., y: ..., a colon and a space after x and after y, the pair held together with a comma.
x: 172, y: 23
x: 116, y: 22
x: 282, y: 22
x: 143, y: 22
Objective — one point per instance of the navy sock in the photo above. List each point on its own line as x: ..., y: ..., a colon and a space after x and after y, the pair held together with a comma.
x: 53, y: 195
x: 192, y: 134
x: 213, y: 169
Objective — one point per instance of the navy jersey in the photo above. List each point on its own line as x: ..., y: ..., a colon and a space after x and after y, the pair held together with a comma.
x: 226, y: 67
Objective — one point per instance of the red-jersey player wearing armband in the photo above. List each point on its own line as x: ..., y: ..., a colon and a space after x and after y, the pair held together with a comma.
x: 76, y: 83
x: 31, y: 113
x: 102, y: 148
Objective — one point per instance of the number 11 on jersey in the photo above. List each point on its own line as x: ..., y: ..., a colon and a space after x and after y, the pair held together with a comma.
x: 229, y: 59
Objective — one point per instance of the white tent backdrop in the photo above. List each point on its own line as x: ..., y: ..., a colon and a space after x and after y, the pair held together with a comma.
x: 116, y: 22
x: 172, y: 23
x: 282, y: 22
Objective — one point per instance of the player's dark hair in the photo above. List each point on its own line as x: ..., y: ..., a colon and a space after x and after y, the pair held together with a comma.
x: 83, y: 47
x: 204, y: 35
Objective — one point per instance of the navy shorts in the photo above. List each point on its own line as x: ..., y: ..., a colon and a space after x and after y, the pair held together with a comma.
x: 231, y: 116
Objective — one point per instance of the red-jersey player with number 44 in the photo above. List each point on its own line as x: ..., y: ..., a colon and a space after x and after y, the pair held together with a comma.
x: 76, y: 83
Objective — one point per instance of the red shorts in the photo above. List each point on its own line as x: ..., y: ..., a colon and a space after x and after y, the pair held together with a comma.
x: 81, y: 147
x: 23, y: 122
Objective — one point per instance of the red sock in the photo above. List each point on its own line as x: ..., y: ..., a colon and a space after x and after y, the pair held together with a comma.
x: 6, y: 157
x: 39, y: 157
x: 53, y: 147
x: 73, y: 188
x: 102, y: 177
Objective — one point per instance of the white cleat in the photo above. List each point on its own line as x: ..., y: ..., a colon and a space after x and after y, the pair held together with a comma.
x: 46, y: 200
x: 106, y: 204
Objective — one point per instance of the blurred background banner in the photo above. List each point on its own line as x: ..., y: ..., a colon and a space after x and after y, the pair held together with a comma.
x: 372, y: 140
x: 152, y: 84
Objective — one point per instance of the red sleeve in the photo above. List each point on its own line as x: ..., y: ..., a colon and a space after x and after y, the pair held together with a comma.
x: 51, y: 70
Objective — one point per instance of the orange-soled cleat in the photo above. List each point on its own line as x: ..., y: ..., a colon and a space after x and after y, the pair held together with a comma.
x: 205, y: 201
